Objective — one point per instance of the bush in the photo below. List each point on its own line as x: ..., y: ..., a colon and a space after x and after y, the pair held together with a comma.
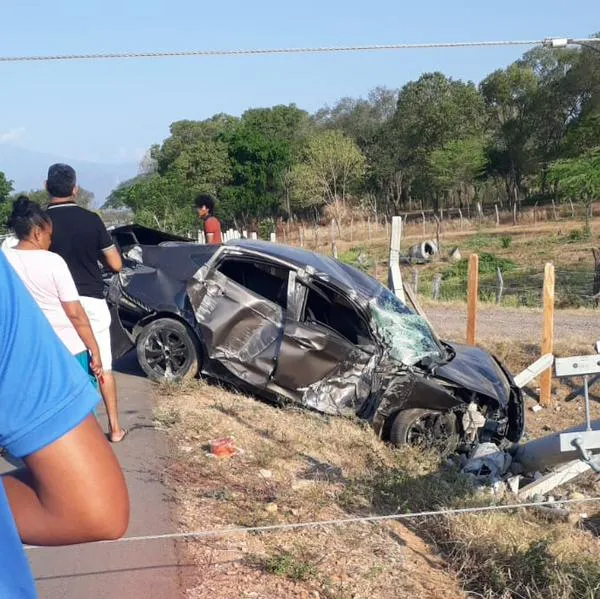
x: 505, y: 242
x: 488, y: 264
x: 577, y: 235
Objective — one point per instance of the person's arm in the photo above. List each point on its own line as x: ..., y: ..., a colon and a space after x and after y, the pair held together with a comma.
x: 69, y: 299
x: 113, y: 259
x: 73, y: 491
x: 81, y: 322
x: 106, y: 246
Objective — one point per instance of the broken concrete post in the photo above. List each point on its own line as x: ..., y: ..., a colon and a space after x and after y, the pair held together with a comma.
x: 394, y: 274
x: 544, y: 453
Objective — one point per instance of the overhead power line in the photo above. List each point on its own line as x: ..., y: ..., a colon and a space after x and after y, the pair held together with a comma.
x: 553, y: 42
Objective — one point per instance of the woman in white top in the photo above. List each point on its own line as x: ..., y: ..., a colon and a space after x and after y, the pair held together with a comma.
x: 48, y: 279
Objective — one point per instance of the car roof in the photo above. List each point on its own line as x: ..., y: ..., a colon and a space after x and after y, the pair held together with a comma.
x: 333, y: 270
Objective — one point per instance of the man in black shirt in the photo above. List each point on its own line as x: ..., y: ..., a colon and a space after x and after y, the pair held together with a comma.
x: 81, y: 238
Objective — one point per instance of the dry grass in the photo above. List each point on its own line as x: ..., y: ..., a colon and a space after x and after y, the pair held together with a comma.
x: 298, y: 466
x: 295, y: 466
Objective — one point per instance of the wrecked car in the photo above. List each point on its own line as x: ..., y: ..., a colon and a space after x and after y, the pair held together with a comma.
x: 292, y: 325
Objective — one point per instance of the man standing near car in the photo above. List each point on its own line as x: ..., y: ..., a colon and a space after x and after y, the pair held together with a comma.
x: 81, y: 239
x: 205, y: 204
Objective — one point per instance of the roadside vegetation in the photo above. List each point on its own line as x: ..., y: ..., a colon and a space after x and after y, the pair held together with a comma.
x: 298, y: 466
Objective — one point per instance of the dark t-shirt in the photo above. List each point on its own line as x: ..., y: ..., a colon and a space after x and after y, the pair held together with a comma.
x: 80, y: 237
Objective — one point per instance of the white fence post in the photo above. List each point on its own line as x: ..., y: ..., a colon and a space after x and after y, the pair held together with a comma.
x: 274, y: 237
x: 394, y: 274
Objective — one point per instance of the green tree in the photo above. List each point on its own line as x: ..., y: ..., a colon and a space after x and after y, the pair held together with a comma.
x: 6, y: 187
x: 510, y: 96
x: 457, y: 166
x: 333, y: 167
x: 431, y: 112
x: 578, y: 179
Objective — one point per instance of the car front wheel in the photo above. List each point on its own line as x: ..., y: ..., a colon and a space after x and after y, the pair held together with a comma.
x: 427, y: 429
x: 166, y: 350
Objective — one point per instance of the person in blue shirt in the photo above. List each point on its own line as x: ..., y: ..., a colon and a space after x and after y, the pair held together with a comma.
x: 72, y: 489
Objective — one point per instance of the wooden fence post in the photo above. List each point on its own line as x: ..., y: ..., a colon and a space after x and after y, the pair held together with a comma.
x: 273, y: 237
x: 497, y: 215
x: 548, y: 335
x: 473, y: 293
x: 515, y: 213
x: 424, y: 228
x: 461, y: 218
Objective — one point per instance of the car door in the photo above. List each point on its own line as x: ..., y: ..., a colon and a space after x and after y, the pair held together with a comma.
x: 240, y: 329
x: 317, y: 360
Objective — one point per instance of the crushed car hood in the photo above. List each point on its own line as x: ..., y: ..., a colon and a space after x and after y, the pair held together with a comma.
x: 476, y: 370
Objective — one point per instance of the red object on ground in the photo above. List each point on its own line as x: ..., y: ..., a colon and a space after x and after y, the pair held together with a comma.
x: 223, y: 448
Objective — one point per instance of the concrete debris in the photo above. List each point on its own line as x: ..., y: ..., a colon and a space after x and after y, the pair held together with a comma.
x: 266, y: 473
x: 513, y: 483
x: 536, y: 408
x: 455, y: 255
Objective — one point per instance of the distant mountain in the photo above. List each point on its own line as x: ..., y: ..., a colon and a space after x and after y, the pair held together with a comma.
x: 28, y: 170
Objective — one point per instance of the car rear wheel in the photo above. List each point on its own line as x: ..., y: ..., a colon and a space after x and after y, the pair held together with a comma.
x: 166, y: 350
x: 427, y: 429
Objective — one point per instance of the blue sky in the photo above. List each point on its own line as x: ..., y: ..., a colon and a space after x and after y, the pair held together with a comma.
x: 110, y: 111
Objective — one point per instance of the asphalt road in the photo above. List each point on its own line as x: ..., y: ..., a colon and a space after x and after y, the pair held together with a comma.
x: 148, y: 569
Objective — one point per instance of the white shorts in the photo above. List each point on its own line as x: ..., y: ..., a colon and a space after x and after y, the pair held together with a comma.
x: 99, y: 315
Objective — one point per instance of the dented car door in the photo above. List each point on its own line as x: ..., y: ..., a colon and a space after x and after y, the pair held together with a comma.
x: 241, y: 330
x: 319, y: 365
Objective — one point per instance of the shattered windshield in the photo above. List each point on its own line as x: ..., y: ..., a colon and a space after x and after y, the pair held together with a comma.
x: 407, y: 335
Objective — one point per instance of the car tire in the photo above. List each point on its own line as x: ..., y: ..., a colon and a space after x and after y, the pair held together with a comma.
x: 167, y: 351
x: 427, y: 429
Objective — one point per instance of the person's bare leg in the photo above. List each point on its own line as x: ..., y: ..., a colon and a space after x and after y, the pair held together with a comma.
x: 108, y: 389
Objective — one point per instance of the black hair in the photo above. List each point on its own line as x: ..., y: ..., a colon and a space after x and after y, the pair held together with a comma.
x: 61, y: 181
x: 205, y: 199
x: 26, y: 215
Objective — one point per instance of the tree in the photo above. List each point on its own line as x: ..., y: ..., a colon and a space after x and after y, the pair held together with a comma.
x: 6, y: 187
x: 332, y: 168
x: 578, y: 179
x: 160, y: 202
x: 457, y: 166
x: 510, y: 96
x: 430, y: 113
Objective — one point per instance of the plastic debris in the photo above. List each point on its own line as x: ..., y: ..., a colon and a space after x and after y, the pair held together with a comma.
x: 223, y: 447
x: 488, y: 461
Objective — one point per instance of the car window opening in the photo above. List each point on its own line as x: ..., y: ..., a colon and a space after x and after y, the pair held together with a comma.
x: 267, y: 281
x: 331, y: 310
